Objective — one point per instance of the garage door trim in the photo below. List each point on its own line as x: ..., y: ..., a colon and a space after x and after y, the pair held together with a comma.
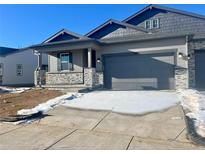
x: 171, y: 53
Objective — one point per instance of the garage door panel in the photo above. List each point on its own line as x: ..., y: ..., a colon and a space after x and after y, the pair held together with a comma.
x: 133, y: 84
x: 139, y: 72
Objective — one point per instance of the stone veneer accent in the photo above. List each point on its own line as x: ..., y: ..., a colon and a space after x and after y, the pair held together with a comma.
x: 194, y: 45
x: 99, y: 78
x: 181, y: 78
x: 89, y: 77
x: 64, y: 78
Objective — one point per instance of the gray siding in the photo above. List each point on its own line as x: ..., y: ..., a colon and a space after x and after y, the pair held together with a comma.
x: 77, y: 61
x: 172, y: 22
x: 162, y: 45
x: 120, y: 32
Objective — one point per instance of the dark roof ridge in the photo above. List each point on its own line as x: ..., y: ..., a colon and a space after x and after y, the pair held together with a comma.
x: 164, y: 8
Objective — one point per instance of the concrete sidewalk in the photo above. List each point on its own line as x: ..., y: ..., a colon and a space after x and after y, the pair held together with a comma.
x: 66, y: 128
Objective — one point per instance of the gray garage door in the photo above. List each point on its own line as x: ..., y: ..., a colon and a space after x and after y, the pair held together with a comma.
x: 139, y: 71
x: 200, y: 69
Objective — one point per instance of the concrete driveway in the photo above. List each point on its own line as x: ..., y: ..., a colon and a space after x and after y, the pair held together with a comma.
x: 126, y: 102
x: 66, y: 128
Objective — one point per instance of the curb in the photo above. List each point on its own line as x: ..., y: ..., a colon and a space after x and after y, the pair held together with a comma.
x: 191, y: 131
x: 20, y: 117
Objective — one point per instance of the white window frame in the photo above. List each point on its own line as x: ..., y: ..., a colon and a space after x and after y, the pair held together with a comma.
x: 146, y: 24
x: 151, y: 24
x: 17, y: 70
x: 157, y: 23
x: 64, y: 62
x: 2, y: 69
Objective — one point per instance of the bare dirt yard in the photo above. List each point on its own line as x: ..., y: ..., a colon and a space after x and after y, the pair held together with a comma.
x: 11, y: 103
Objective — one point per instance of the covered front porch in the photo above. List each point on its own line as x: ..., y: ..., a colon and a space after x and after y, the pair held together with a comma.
x: 69, y: 65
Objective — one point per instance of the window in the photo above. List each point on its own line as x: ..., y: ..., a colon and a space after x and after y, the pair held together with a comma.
x: 152, y: 24
x: 44, y: 67
x: 65, y: 61
x: 1, y: 69
x: 155, y: 23
x: 19, y: 70
x: 148, y: 24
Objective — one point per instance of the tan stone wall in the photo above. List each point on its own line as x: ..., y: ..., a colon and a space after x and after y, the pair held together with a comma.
x: 64, y: 78
x: 181, y: 78
x: 89, y: 77
x: 99, y: 78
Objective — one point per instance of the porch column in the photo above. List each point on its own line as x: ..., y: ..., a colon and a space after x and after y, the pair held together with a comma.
x: 89, y: 57
x: 38, y: 74
x: 39, y: 60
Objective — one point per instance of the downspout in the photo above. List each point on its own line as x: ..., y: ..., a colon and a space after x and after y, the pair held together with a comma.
x: 187, y: 53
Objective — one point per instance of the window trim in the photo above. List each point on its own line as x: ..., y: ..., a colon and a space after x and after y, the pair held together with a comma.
x: 157, y: 23
x: 69, y: 63
x: 17, y: 69
x: 152, y: 23
x: 146, y: 24
x: 2, y: 69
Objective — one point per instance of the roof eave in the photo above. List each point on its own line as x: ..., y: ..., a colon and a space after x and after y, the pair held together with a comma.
x: 103, y: 42
x: 116, y: 22
x: 164, y: 8
x: 70, y: 45
x: 64, y: 31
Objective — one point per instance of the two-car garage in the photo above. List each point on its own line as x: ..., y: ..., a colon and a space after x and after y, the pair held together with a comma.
x: 133, y: 71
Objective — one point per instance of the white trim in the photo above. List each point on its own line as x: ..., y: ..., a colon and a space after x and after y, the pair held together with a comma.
x: 146, y: 24
x: 58, y: 34
x: 157, y: 23
x: 65, y: 53
x: 152, y: 23
x: 1, y: 69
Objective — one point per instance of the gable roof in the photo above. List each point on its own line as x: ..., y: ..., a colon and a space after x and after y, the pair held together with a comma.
x: 111, y: 21
x: 62, y: 31
x: 151, y: 6
x: 4, y: 51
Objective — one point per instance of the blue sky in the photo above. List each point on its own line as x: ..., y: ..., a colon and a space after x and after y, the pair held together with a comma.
x: 24, y: 25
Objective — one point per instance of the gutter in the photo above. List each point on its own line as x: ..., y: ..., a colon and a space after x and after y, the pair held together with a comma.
x: 63, y: 42
x: 140, y: 39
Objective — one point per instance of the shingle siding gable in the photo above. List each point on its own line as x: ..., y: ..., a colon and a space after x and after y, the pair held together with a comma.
x: 121, y: 32
x: 174, y: 22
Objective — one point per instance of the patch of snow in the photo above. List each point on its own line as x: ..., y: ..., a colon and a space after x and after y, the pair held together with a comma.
x: 13, y: 90
x: 194, y: 101
x: 126, y: 102
x: 176, y: 118
x: 50, y: 104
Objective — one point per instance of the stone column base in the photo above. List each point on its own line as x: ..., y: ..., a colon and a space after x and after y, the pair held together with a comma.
x: 181, y: 78
x: 89, y: 77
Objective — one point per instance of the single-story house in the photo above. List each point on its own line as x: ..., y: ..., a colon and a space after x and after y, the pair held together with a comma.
x: 17, y: 66
x: 155, y: 48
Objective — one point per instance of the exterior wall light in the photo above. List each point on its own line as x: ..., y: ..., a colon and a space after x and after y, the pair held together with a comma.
x: 180, y: 55
x: 185, y: 57
x: 98, y: 60
x: 189, y: 56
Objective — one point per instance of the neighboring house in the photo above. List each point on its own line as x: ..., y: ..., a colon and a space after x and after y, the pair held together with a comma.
x: 156, y: 48
x: 17, y: 66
